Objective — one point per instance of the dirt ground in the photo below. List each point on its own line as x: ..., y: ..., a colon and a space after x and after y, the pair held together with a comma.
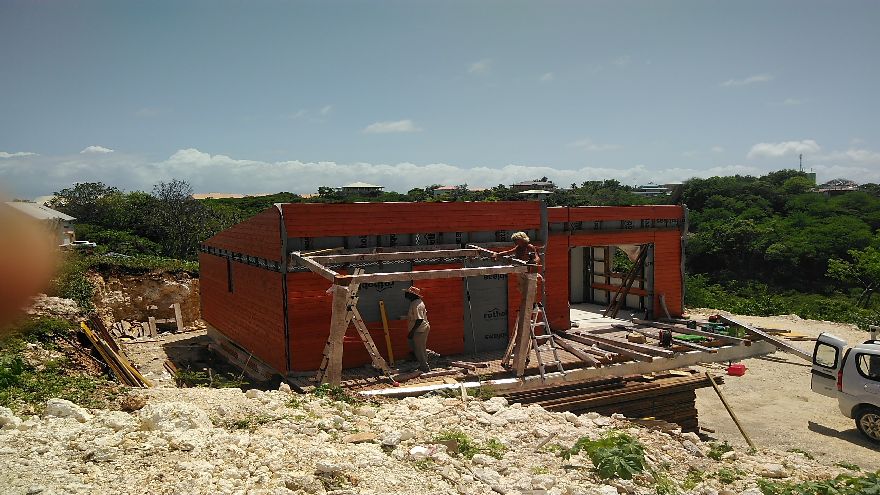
x: 778, y: 410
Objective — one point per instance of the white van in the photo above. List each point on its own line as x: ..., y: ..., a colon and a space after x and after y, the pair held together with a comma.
x: 852, y: 376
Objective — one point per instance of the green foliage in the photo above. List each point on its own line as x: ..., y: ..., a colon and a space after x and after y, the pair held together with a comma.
x: 848, y: 465
x: 803, y: 453
x: 843, y: 484
x: 338, y: 394
x: 727, y: 475
x: 614, y: 455
x: 116, y: 241
x: 106, y: 263
x: 862, y: 271
x: 663, y: 484
x: 468, y: 448
x: 716, y: 450
x: 694, y: 477
x: 208, y: 378
x: 247, y: 422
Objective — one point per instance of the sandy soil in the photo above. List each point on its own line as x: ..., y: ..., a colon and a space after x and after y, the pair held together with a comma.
x: 778, y: 410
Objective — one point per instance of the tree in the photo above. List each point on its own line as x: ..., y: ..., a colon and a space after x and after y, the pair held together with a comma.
x: 180, y: 220
x: 80, y: 200
x: 863, y: 271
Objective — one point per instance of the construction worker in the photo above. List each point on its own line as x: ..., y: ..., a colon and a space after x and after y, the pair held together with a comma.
x: 523, y: 249
x: 417, y: 316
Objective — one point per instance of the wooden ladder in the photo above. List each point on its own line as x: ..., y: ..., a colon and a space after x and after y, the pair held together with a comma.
x: 619, y: 298
x: 538, y: 319
x: 354, y: 316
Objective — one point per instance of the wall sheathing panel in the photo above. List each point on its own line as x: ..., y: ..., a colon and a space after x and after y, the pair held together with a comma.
x: 252, y: 314
x: 258, y: 236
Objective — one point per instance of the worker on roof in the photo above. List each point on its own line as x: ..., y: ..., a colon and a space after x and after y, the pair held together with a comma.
x: 523, y: 249
x: 417, y: 316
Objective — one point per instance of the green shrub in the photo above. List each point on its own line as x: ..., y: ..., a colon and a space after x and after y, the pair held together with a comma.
x: 716, y: 450
x: 208, y: 379
x: 468, y: 448
x: 338, y: 394
x: 117, y: 241
x: 727, y: 476
x: 868, y: 484
x: 614, y: 455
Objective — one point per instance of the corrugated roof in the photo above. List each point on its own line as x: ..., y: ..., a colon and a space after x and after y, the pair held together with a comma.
x: 39, y: 212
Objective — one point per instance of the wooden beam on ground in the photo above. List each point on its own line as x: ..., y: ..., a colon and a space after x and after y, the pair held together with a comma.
x: 395, y: 256
x: 638, y: 356
x: 574, y: 351
x: 729, y: 410
x: 338, y: 325
x: 178, y: 316
x: 428, y: 274
x: 602, y: 354
x: 632, y: 346
x: 315, y: 267
x: 777, y: 342
x: 691, y: 331
x: 528, y: 285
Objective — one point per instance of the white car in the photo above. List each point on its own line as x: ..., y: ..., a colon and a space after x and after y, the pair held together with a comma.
x: 852, y: 376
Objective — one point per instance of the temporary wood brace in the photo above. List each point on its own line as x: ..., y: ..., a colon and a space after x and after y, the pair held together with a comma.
x: 619, y: 298
x: 777, y: 342
x: 345, y: 287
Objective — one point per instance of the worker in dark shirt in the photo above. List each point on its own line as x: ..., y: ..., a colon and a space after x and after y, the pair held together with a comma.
x: 523, y: 249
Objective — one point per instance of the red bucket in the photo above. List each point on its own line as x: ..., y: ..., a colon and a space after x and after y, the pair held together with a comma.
x: 737, y: 369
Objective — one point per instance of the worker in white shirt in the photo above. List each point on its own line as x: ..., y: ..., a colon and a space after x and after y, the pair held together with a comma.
x: 417, y: 316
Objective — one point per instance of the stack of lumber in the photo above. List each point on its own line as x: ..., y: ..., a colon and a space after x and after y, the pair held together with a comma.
x: 671, y: 398
x: 113, y: 356
x: 133, y: 329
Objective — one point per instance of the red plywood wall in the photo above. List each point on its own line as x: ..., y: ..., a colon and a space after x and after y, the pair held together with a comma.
x: 556, y: 275
x: 258, y: 236
x: 252, y: 315
x: 321, y: 220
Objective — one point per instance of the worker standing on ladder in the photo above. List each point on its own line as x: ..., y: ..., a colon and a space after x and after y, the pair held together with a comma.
x: 523, y: 249
x: 418, y: 326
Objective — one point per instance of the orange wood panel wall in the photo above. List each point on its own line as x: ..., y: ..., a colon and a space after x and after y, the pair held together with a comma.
x: 258, y: 236
x: 252, y: 315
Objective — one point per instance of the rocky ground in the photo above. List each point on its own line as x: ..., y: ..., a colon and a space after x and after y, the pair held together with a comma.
x: 201, y: 440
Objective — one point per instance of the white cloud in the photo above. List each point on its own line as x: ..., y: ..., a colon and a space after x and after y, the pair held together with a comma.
x: 326, y: 109
x: 480, y: 67
x: 758, y: 78
x: 34, y: 175
x: 589, y: 145
x: 16, y: 154
x: 547, y: 77
x: 776, y: 150
x: 95, y: 150
x: 388, y: 127
x: 296, y: 115
x: 622, y: 61
x: 692, y: 153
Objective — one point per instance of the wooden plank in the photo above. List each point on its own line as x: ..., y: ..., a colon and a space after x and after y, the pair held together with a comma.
x: 638, y: 356
x: 528, y: 282
x: 777, y: 342
x: 315, y: 267
x: 178, y: 317
x: 632, y: 346
x: 583, y: 356
x: 151, y: 324
x: 493, y: 253
x: 338, y: 326
x: 394, y: 256
x: 387, y: 332
x: 428, y: 274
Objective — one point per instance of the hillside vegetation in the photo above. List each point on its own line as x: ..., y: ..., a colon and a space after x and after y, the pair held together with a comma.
x: 756, y: 245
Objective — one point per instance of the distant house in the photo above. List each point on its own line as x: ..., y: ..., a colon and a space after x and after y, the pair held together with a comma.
x: 535, y: 193
x: 360, y: 189
x: 532, y: 185
x: 222, y: 195
x: 651, y: 189
x: 59, y: 223
x: 443, y: 190
x: 836, y: 187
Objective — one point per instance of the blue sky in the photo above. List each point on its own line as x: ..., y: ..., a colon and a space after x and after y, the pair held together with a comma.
x: 267, y: 96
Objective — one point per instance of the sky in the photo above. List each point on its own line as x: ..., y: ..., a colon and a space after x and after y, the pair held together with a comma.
x: 267, y: 96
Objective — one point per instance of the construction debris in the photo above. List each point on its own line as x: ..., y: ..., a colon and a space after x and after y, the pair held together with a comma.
x: 112, y: 355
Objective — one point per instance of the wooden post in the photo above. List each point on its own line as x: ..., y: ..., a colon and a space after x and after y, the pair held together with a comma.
x: 151, y: 323
x: 528, y: 284
x: 729, y: 410
x: 387, y: 332
x: 338, y: 326
x: 178, y: 316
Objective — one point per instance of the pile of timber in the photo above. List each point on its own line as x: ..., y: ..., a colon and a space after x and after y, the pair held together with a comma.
x: 125, y: 329
x: 671, y: 398
x: 112, y: 355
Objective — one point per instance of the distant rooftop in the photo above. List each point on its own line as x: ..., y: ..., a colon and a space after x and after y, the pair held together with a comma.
x: 363, y: 185
x: 219, y: 195
x: 536, y: 191
x: 38, y: 211
x: 535, y: 183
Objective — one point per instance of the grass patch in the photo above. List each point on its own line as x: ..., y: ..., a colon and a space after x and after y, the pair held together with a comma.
x: 803, y: 453
x: 848, y: 465
x: 337, y: 394
x: 466, y: 447
x: 841, y: 485
x: 693, y: 478
x: 727, y: 476
x: 663, y: 484
x: 614, y: 455
x: 716, y: 450
x: 247, y: 423
x: 208, y: 379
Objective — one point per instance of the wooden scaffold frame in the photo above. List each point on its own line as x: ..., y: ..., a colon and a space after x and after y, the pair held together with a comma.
x: 344, y: 286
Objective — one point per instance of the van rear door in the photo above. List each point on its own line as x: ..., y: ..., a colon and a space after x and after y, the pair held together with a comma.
x: 827, y: 361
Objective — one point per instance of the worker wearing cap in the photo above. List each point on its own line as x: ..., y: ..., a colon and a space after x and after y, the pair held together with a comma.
x: 523, y: 249
x: 417, y: 316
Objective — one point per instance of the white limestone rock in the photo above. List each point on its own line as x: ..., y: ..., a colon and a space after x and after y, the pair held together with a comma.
x: 61, y: 408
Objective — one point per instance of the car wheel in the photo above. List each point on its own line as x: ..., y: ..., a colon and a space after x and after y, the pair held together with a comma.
x: 868, y: 423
